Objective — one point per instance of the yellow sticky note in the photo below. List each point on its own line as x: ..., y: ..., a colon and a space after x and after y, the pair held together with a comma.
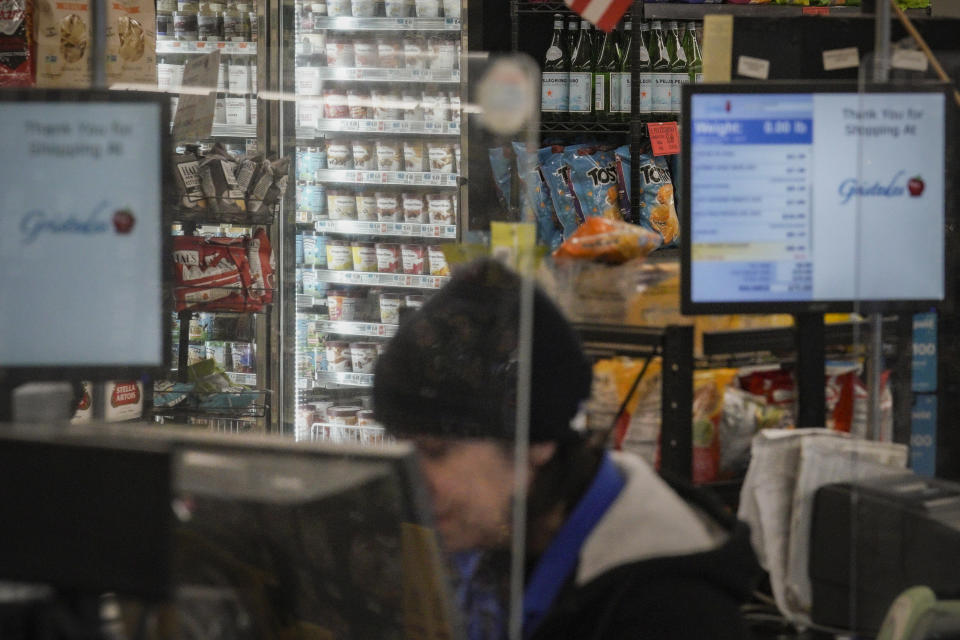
x: 717, y: 47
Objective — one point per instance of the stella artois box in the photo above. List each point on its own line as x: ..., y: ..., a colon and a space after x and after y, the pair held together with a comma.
x: 122, y: 400
x: 84, y: 411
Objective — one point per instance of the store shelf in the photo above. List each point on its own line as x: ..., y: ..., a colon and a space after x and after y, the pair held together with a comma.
x: 186, y: 47
x: 399, y: 127
x: 234, y: 130
x: 370, y: 329
x: 388, y: 75
x: 387, y: 24
x: 217, y: 217
x: 402, y: 229
x: 381, y: 279
x: 585, y: 127
x: 236, y: 404
x: 685, y: 11
x: 608, y: 340
x: 407, y: 178
x: 543, y: 7
x: 244, y: 379
x: 782, y: 339
x: 344, y: 378
x: 310, y: 301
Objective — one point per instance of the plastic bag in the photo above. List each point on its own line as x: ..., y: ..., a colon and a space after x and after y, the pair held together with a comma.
x: 610, y: 241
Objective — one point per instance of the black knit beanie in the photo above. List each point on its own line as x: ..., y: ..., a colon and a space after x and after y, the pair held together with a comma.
x: 451, y: 369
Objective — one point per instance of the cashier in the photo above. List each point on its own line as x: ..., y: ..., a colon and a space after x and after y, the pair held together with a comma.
x: 612, y: 550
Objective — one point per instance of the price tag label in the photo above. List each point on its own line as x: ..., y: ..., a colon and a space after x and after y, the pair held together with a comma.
x: 750, y: 67
x: 841, y: 59
x: 200, y: 45
x: 664, y: 138
x: 351, y: 125
x: 815, y: 11
x: 406, y: 229
x: 909, y: 59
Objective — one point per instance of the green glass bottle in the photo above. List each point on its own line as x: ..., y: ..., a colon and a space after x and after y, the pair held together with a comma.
x: 620, y: 94
x: 555, y: 80
x: 694, y: 57
x: 660, y: 78
x: 581, y: 76
x: 604, y: 74
x: 678, y: 65
x: 644, y: 73
x: 573, y: 31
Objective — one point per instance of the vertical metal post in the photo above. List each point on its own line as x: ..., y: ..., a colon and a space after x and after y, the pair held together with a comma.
x: 676, y: 428
x: 98, y: 48
x: 881, y: 73
x: 810, y: 347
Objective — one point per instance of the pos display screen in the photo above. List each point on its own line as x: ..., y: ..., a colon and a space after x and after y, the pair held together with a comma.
x: 82, y: 233
x: 812, y: 198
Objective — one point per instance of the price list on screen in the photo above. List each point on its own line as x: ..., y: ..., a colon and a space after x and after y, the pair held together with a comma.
x: 751, y: 204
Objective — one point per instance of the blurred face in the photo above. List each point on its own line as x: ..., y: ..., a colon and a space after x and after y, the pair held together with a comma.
x: 471, y: 486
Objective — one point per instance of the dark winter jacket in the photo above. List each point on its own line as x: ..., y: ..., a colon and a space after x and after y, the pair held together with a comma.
x: 662, y: 563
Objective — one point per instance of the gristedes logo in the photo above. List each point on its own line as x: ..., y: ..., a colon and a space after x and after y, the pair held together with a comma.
x: 894, y: 188
x: 37, y: 223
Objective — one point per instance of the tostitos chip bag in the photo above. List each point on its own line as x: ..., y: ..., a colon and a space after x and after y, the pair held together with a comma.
x: 593, y: 181
x: 657, y: 210
x: 535, y: 199
x: 554, y: 170
x: 622, y: 155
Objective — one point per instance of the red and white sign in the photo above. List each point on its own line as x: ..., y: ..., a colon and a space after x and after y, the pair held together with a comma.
x: 123, y: 400
x: 605, y: 14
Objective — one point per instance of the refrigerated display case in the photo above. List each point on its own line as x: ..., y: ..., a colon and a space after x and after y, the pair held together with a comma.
x: 231, y: 337
x: 378, y: 184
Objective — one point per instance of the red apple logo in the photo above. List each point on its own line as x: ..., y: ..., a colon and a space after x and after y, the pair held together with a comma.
x: 915, y: 185
x: 123, y: 221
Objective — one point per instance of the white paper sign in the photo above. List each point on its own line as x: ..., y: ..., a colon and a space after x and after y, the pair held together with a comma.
x: 841, y: 59
x: 194, y: 118
x: 909, y: 59
x: 753, y: 67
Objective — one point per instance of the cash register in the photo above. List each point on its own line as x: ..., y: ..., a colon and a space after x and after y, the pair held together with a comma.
x: 871, y: 540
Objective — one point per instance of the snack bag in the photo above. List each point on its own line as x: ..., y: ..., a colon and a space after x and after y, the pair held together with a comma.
x: 502, y: 175
x: 16, y: 43
x: 63, y: 44
x: 776, y: 386
x: 612, y: 380
x: 262, y: 267
x: 709, y: 387
x: 535, y: 199
x: 611, y: 241
x: 657, y: 210
x: 593, y: 181
x: 131, y: 42
x: 622, y: 155
x: 554, y: 171
x: 186, y: 170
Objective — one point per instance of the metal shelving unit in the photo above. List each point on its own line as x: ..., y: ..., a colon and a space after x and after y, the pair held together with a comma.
x: 387, y: 24
x: 371, y: 279
x: 379, y: 127
x: 402, y: 178
x: 398, y: 229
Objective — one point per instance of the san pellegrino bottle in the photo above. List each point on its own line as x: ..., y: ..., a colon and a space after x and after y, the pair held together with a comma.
x: 678, y: 66
x: 660, y: 78
x: 573, y: 32
x: 644, y: 74
x: 581, y: 76
x: 603, y: 76
x: 694, y: 57
x: 620, y: 95
x: 555, y: 81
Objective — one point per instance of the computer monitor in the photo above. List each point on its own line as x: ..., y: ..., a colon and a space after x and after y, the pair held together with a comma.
x: 83, y: 237
x: 812, y: 198
x: 240, y: 537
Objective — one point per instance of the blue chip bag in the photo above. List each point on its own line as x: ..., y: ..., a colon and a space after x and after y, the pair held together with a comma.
x: 623, y: 181
x: 593, y: 180
x: 535, y: 200
x: 657, y: 210
x: 554, y: 171
x: 502, y: 174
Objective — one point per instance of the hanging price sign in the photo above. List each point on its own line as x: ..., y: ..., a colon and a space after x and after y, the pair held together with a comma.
x: 664, y: 138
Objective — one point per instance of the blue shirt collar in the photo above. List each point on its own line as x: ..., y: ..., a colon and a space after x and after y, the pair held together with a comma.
x: 560, y: 559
